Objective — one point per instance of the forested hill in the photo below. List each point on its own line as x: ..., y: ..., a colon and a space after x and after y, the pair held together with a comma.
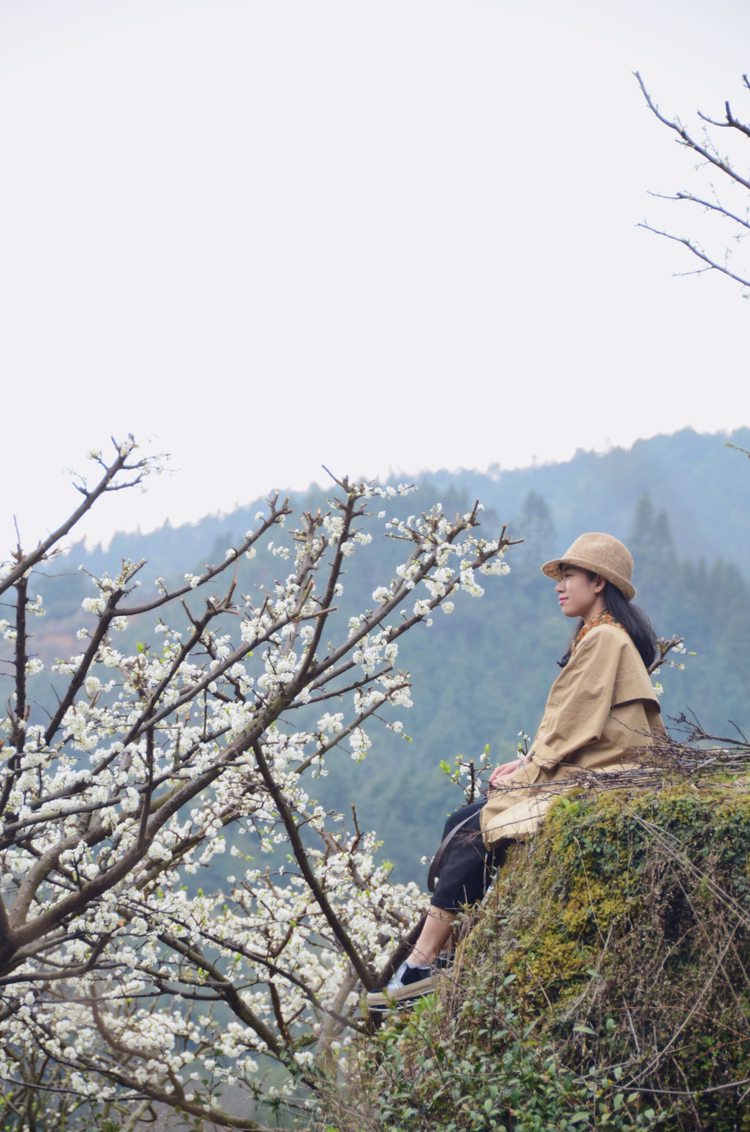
x: 694, y: 478
x: 481, y: 675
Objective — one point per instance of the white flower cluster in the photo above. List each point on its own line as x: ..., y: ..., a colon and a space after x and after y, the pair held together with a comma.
x: 93, y: 604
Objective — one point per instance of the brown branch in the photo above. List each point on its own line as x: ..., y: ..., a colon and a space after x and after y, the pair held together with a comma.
x: 175, y: 1099
x: 308, y: 873
x: 20, y: 659
x: 201, y: 685
x: 712, y: 206
x: 270, y: 965
x: 690, y: 142
x: 148, y: 715
x: 104, y: 485
x: 335, y: 571
x: 730, y: 121
x: 11, y: 828
x: 712, y: 264
x: 324, y: 671
x: 230, y: 995
x: 279, y: 1014
x: 212, y: 571
x: 339, y: 737
x: 663, y: 648
x: 17, y: 715
x: 710, y: 155
x: 89, y: 656
x: 146, y: 800
x: 66, y: 973
x: 27, y: 932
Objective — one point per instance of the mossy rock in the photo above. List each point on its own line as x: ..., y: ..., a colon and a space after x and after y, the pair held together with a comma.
x: 606, y: 983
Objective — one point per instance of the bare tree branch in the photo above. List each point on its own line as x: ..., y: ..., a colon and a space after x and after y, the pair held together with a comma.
x: 711, y: 157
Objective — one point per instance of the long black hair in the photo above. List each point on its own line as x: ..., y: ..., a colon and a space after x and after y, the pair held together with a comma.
x: 631, y: 617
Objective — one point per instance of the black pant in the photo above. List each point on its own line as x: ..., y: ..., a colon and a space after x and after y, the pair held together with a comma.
x: 466, y: 867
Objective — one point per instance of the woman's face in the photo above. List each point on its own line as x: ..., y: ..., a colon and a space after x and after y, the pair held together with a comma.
x: 579, y: 595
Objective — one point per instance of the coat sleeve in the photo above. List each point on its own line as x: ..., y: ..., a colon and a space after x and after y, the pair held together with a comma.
x: 581, y: 698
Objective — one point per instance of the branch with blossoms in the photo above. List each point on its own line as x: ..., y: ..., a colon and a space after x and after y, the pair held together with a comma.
x: 111, y: 480
x: 122, y: 982
x: 664, y: 646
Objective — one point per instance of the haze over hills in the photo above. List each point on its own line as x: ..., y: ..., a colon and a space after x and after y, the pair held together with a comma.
x: 690, y: 475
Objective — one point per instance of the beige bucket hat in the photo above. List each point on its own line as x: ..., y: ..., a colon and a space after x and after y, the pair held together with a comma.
x: 603, y: 554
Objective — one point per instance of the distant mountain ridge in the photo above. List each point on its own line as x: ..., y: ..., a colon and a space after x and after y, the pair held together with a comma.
x: 694, y: 477
x: 700, y: 483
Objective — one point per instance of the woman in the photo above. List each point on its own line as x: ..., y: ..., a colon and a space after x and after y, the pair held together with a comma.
x: 601, y: 704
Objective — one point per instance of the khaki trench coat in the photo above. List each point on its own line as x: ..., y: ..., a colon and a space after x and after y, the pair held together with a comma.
x: 601, y: 704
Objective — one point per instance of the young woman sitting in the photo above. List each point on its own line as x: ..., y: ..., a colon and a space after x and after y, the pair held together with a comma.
x: 601, y: 705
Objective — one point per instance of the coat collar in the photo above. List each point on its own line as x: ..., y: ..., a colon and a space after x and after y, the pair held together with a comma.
x: 604, y: 618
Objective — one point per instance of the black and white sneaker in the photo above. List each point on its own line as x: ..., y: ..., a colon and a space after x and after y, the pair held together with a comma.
x: 407, y: 985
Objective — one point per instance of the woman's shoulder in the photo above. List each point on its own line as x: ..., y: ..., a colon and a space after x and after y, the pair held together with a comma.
x: 605, y: 648
x: 607, y: 636
x: 608, y: 648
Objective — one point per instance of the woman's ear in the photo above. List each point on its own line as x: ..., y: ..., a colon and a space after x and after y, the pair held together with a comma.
x: 599, y: 583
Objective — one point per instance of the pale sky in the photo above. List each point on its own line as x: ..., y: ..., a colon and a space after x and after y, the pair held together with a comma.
x: 372, y: 234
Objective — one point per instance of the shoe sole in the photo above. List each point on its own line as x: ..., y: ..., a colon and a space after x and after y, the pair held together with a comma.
x: 402, y: 996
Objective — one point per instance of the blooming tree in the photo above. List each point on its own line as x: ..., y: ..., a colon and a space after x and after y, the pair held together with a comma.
x: 123, y: 984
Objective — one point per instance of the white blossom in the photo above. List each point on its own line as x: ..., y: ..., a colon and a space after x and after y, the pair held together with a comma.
x: 93, y: 604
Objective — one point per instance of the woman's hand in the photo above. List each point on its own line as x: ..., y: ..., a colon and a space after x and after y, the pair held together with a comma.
x: 502, y: 772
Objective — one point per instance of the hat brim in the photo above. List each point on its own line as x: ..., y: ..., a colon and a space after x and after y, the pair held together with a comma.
x: 626, y: 588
